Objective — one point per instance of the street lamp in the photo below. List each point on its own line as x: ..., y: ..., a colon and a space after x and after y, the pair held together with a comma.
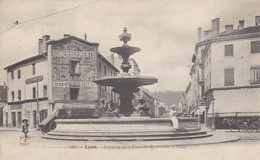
x: 213, y: 113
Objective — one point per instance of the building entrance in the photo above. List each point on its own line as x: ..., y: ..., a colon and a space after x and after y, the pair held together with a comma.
x: 6, y: 119
x: 13, y: 119
x: 34, y: 119
x: 19, y: 118
x: 74, y: 93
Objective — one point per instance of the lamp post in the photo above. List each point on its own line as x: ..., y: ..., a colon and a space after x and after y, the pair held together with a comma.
x: 213, y: 113
x: 199, y: 112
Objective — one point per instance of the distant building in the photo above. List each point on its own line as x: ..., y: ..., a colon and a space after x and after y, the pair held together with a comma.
x: 3, y: 103
x: 65, y: 69
x: 227, y: 67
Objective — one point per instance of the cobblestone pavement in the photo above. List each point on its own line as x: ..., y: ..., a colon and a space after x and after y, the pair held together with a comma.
x: 248, y: 147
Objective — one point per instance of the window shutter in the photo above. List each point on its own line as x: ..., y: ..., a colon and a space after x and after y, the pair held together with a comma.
x: 229, y: 76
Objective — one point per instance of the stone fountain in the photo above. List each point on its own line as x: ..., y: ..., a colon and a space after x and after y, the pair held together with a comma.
x: 126, y: 127
x: 124, y: 84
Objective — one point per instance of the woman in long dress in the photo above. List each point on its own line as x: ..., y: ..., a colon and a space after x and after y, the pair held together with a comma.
x: 173, y: 115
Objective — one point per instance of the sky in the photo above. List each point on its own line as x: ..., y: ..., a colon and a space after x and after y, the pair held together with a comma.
x: 165, y: 30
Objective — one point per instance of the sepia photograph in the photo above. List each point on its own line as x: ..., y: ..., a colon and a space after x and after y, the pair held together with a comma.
x: 130, y: 79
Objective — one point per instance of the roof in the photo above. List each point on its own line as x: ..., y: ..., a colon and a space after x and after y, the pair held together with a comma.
x: 31, y: 59
x: 39, y: 56
x: 248, y: 30
x: 253, y: 31
x: 101, y: 57
x: 75, y: 38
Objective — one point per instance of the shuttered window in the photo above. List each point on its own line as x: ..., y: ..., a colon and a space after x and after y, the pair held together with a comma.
x: 255, y: 75
x: 255, y: 47
x: 229, y: 77
x: 229, y: 50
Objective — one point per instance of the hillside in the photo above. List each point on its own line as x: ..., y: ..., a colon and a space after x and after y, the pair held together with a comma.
x: 168, y: 97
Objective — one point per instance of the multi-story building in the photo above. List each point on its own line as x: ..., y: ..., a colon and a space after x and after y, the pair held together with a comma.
x: 227, y: 65
x: 59, y: 77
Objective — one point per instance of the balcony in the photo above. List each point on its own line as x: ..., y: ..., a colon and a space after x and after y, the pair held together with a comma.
x: 254, y: 81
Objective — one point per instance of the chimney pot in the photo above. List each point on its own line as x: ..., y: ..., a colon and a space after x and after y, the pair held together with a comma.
x: 199, y: 34
x: 207, y: 34
x: 85, y: 36
x: 66, y: 35
x: 241, y: 24
x: 44, y: 45
x: 257, y: 20
x: 229, y: 28
x: 215, y: 27
x: 40, y: 46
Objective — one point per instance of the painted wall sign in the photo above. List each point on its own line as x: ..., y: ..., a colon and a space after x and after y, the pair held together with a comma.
x: 73, y: 66
x: 34, y: 80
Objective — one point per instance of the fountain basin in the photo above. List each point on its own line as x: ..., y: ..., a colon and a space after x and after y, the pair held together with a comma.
x: 122, y: 80
x: 124, y: 129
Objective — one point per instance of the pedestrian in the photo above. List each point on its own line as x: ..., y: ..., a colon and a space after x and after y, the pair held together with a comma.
x: 173, y: 115
x: 25, y: 127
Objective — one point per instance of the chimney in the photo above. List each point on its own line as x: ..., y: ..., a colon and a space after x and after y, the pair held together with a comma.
x: 241, y: 24
x: 5, y: 86
x: 85, y: 36
x: 215, y: 27
x: 40, y: 46
x: 199, y: 34
x: 207, y: 34
x: 66, y: 35
x: 257, y: 20
x: 229, y: 28
x: 44, y: 40
x: 112, y: 59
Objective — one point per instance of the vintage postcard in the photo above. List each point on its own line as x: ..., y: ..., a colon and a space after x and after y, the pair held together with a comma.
x: 140, y: 79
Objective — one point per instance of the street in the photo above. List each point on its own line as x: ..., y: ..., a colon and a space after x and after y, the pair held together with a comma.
x: 246, y: 148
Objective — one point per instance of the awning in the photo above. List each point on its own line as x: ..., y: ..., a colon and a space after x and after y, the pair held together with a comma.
x: 240, y: 102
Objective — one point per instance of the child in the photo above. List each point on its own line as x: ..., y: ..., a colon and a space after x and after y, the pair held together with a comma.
x: 25, y: 127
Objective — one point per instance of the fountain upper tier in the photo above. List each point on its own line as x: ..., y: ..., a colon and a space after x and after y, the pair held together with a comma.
x: 125, y: 50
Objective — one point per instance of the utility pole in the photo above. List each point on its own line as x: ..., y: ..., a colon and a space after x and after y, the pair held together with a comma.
x: 36, y: 80
x: 37, y: 112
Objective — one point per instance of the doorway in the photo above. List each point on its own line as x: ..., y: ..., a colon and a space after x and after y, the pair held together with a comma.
x: 6, y: 119
x: 13, y: 119
x: 34, y: 119
x: 19, y: 118
x: 74, y: 93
